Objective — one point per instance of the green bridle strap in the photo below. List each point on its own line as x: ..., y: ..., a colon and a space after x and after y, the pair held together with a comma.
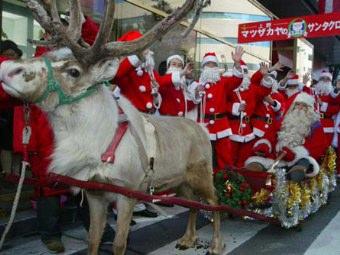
x: 54, y: 86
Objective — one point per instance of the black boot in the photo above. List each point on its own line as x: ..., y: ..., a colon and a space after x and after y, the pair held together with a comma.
x: 48, y: 215
x: 298, y: 172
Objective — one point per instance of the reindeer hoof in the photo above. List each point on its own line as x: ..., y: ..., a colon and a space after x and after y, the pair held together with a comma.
x: 186, y: 243
x: 216, y: 250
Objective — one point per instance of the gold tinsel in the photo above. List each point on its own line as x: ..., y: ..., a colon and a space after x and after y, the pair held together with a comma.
x: 331, y: 161
x: 319, y: 179
x: 294, y: 195
x: 305, y: 195
x: 261, y: 197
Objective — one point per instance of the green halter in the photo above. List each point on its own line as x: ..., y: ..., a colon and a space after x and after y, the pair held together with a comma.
x: 54, y: 86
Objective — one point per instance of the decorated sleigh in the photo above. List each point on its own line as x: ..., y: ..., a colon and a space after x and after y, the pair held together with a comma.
x: 271, y: 194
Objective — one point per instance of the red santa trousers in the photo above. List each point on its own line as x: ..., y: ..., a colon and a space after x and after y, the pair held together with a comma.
x: 240, y: 152
x: 222, y: 149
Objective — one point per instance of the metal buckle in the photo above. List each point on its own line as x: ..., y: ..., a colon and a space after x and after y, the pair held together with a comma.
x: 212, y: 117
x: 269, y: 120
x: 322, y: 115
x: 246, y: 119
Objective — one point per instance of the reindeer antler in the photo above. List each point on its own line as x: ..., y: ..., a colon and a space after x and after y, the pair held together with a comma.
x: 101, y: 49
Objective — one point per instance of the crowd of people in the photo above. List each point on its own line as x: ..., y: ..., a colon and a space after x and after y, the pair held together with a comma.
x: 250, y: 119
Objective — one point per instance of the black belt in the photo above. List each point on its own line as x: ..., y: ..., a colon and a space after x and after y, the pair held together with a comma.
x: 216, y: 116
x: 267, y: 120
x: 233, y: 117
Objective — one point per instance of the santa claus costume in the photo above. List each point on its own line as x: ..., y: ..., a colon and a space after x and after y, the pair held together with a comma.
x: 300, y: 136
x: 175, y: 100
x: 214, y: 91
x: 327, y: 105
x: 250, y: 94
x: 139, y: 82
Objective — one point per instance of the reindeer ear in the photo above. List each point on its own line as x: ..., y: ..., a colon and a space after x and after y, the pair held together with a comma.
x: 106, y: 69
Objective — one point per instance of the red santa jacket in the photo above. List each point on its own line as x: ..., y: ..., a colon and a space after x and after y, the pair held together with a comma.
x: 135, y: 83
x: 242, y: 130
x: 174, y: 102
x: 328, y: 111
x: 214, y: 105
x: 266, y: 117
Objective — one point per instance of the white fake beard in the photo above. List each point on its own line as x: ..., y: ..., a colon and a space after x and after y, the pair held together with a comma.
x: 210, y: 75
x: 296, y: 126
x: 245, y: 82
x: 292, y: 91
x: 323, y: 88
x: 173, y: 69
x: 149, y: 60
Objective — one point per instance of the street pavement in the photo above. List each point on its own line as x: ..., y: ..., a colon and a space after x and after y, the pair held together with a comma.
x: 318, y: 235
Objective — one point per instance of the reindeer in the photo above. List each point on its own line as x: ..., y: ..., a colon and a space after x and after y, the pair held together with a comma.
x: 85, y: 117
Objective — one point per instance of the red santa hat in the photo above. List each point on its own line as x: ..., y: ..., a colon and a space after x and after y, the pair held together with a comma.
x: 174, y: 57
x: 130, y: 36
x: 209, y: 57
x: 294, y: 80
x: 243, y: 65
x: 303, y: 97
x: 326, y: 74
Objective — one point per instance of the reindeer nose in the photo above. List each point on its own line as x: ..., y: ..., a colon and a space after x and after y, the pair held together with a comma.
x: 15, y: 71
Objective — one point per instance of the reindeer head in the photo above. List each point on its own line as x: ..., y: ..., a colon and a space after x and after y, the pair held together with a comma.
x: 51, y: 81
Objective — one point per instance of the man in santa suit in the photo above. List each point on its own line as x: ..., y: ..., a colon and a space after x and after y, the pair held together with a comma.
x: 212, y: 93
x: 139, y: 82
x: 326, y: 104
x: 268, y: 115
x: 300, y: 137
x: 176, y: 100
x: 241, y: 105
x: 336, y: 138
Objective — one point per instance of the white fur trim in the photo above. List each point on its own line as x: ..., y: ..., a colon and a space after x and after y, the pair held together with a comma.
x: 224, y: 133
x: 305, y: 98
x: 266, y: 162
x: 134, y: 60
x: 292, y: 82
x: 174, y: 57
x: 258, y: 132
x: 328, y: 129
x: 300, y: 152
x: 235, y: 109
x: 277, y: 107
x: 323, y: 107
x: 219, y: 135
x: 264, y: 141
x: 237, y: 73
x: 316, y: 167
x: 209, y: 59
x: 266, y: 83
x: 327, y: 75
x: 176, y: 79
x: 242, y: 138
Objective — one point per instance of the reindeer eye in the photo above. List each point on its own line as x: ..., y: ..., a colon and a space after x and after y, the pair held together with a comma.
x: 73, y: 72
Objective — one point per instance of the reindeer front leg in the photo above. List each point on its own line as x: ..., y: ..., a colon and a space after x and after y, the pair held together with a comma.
x: 124, y: 215
x: 98, y: 216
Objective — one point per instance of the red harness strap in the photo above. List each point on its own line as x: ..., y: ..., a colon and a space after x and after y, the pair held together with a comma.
x: 109, y: 155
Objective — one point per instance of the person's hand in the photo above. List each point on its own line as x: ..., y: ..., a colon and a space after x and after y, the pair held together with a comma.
x: 264, y: 68
x: 277, y: 67
x: 237, y: 56
x: 269, y: 100
x: 290, y: 155
x: 187, y: 71
x: 242, y: 107
x: 306, y: 78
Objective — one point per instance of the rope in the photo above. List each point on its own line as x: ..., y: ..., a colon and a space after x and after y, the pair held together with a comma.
x: 15, y: 203
x: 26, y: 135
x: 90, y: 185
